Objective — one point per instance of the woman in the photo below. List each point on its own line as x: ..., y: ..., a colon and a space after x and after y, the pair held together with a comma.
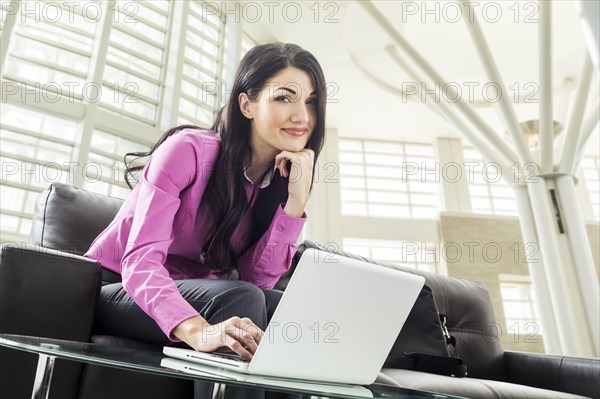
x: 213, y: 221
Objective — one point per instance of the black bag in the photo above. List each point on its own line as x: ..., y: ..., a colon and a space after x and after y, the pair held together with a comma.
x: 423, y: 343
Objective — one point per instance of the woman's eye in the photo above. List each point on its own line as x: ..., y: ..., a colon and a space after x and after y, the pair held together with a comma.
x: 312, y: 101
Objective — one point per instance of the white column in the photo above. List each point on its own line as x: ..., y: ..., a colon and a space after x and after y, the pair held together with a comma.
x: 455, y: 192
x: 541, y: 291
x: 574, y: 336
x: 583, y: 261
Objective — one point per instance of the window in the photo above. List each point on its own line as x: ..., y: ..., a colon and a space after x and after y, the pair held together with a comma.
x: 78, y: 98
x: 519, y: 305
x: 203, y: 66
x: 388, y: 179
x: 489, y: 192
x: 36, y: 150
x: 134, y: 70
x: 49, y: 52
x: 591, y: 171
x: 420, y: 255
x: 105, y: 167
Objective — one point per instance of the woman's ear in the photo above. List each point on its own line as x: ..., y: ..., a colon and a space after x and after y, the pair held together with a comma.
x: 244, y: 103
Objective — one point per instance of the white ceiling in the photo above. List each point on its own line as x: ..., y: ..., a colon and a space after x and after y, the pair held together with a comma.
x: 361, y: 107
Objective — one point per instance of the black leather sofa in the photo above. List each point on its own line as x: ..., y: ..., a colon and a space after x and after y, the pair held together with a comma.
x: 48, y: 289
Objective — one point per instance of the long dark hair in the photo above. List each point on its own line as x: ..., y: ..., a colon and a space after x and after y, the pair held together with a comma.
x: 225, y: 191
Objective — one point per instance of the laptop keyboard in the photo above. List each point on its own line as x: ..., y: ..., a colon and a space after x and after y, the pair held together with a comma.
x: 230, y: 355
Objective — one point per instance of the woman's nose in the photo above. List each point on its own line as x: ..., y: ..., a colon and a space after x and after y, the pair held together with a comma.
x: 300, y: 113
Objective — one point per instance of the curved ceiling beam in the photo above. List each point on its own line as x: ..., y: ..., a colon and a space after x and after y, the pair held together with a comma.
x: 573, y: 132
x: 505, y: 110
x: 546, y: 132
x: 488, y: 152
x: 432, y: 74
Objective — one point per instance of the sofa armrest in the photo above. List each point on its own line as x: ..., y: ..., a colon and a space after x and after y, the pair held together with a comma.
x: 576, y: 375
x: 47, y: 293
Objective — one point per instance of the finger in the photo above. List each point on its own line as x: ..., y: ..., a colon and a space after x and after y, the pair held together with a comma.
x: 280, y: 161
x: 285, y: 156
x: 254, y: 329
x: 244, y: 337
x: 249, y: 340
x: 282, y: 169
x: 237, y: 347
x: 245, y: 331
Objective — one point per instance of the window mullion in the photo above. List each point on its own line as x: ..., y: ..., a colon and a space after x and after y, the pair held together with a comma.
x: 7, y: 31
x: 97, y: 61
x: 174, y: 67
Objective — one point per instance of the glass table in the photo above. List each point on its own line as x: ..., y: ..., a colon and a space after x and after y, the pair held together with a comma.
x: 157, y: 363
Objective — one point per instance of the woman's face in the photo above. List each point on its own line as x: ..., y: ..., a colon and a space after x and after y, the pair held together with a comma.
x: 284, y: 115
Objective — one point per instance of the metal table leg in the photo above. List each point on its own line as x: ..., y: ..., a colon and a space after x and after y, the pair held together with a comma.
x: 218, y: 391
x: 43, y: 377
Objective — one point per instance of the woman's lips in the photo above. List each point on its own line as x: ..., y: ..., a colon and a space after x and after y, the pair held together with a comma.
x: 295, y: 132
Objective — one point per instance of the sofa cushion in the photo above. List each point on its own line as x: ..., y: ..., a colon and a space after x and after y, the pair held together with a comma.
x: 467, y: 305
x: 467, y: 387
x: 68, y: 218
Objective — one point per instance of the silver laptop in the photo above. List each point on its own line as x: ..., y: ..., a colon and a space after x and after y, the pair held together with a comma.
x: 336, y: 322
x: 307, y: 387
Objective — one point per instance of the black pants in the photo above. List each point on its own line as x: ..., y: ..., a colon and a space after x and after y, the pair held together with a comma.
x: 215, y: 300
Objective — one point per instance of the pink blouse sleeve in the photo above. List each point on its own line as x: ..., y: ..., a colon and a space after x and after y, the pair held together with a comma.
x: 264, y: 262
x: 170, y: 169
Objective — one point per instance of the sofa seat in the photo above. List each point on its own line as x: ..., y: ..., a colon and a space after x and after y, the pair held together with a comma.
x: 467, y: 387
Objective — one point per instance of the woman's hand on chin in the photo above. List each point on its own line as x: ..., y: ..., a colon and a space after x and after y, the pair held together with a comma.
x: 300, y: 175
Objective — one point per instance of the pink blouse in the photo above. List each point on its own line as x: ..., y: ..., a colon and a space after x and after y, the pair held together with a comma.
x: 158, y: 232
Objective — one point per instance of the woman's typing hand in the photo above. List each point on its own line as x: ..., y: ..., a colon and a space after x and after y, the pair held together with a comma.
x: 240, y: 335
